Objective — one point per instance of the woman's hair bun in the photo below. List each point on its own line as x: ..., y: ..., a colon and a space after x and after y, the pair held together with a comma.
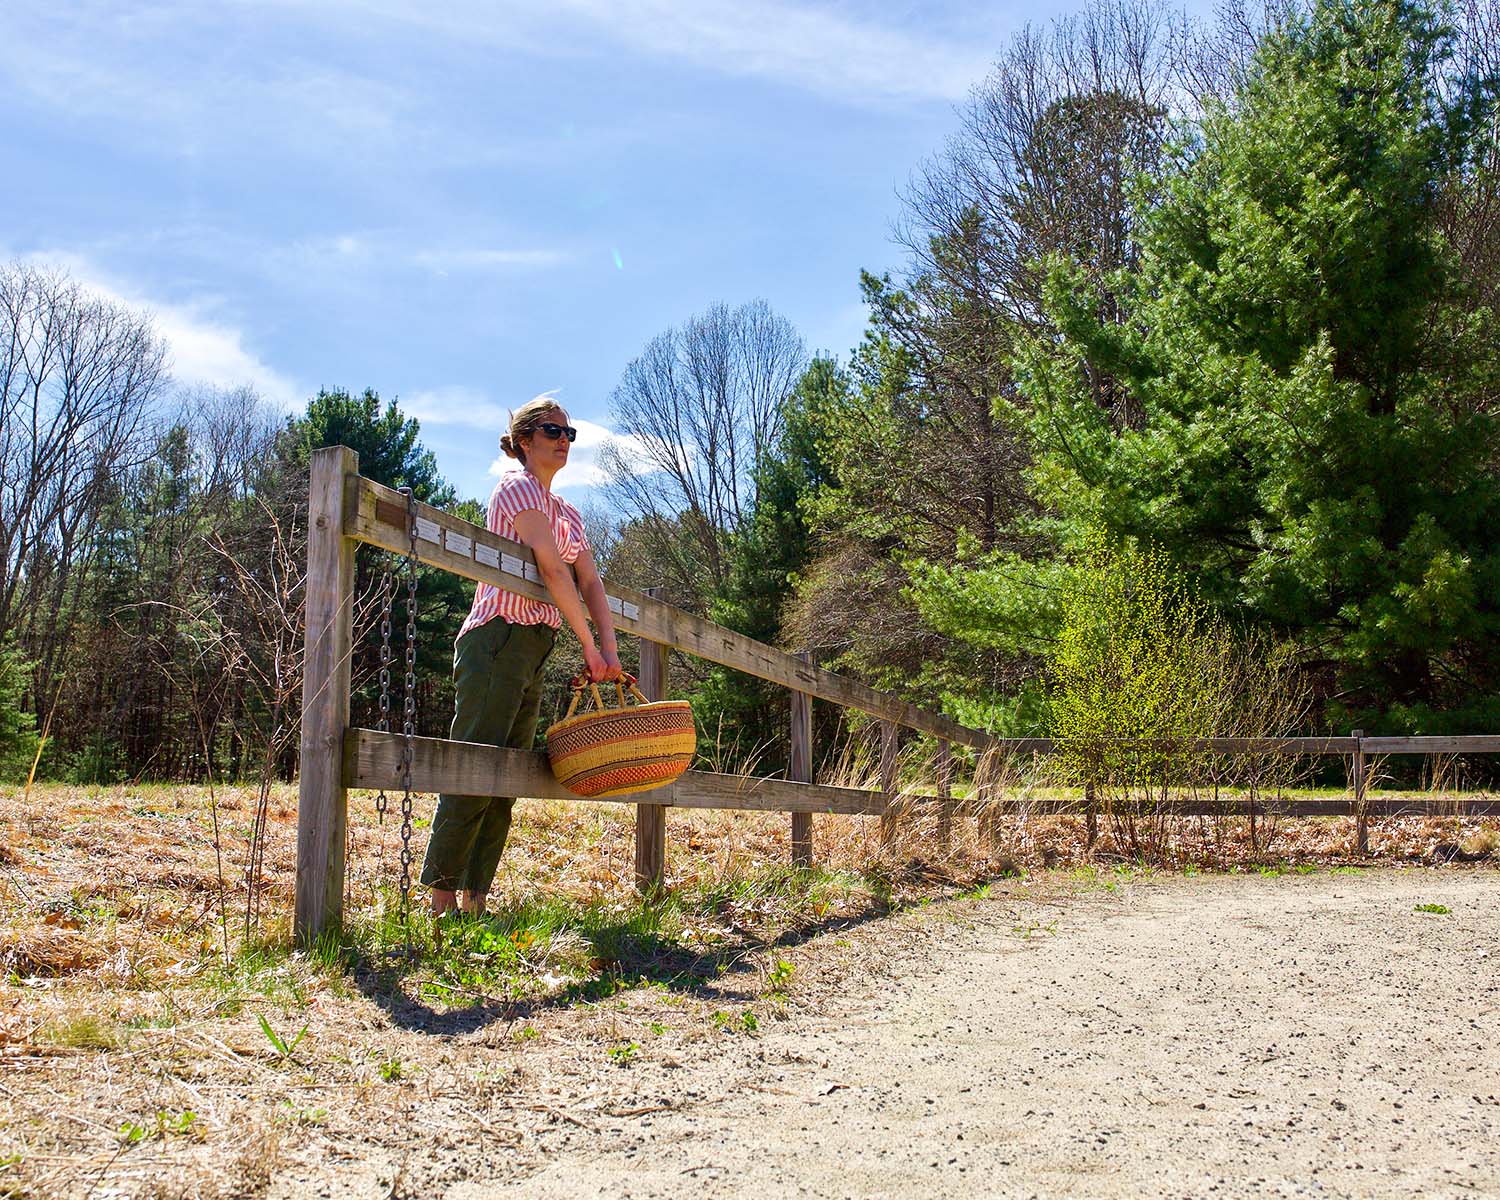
x: 523, y: 421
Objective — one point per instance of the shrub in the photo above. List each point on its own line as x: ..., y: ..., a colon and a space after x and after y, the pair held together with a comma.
x: 1144, y: 672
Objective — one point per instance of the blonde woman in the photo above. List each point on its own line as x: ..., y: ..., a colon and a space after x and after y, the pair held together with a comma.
x: 503, y: 646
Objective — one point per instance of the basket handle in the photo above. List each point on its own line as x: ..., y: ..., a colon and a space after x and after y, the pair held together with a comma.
x: 581, y: 681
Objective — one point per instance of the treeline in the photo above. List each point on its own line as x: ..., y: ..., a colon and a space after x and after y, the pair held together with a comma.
x: 1224, y: 294
x: 154, y: 551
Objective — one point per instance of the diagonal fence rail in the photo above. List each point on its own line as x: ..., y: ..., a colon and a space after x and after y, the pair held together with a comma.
x: 346, y: 508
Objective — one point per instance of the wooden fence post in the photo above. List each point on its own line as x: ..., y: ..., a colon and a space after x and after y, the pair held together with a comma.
x: 322, y: 800
x: 651, y: 819
x: 1090, y: 815
x: 799, y: 768
x: 888, y: 748
x: 1358, y: 778
x: 945, y: 796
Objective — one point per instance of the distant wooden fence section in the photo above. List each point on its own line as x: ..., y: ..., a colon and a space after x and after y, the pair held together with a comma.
x: 345, y: 508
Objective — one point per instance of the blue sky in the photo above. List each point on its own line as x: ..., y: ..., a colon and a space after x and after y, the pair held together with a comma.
x: 465, y: 204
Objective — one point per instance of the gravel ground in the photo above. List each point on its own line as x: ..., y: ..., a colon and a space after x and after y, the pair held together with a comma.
x: 1208, y: 1036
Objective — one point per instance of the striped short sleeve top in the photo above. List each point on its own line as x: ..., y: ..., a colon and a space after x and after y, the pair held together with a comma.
x: 517, y: 491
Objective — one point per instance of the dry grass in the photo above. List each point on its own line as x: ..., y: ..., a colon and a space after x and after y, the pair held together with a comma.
x: 134, y: 1056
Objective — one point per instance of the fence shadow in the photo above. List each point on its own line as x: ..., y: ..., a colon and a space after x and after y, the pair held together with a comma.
x: 727, y: 974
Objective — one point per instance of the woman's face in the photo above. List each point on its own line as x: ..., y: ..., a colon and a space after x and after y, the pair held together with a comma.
x: 542, y: 450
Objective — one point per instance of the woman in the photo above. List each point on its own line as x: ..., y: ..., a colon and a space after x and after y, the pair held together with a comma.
x: 503, y: 647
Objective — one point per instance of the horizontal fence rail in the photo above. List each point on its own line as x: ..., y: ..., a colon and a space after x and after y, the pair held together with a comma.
x: 372, y: 760
x: 345, y: 508
x: 1475, y: 743
x: 1278, y: 745
x: 377, y: 515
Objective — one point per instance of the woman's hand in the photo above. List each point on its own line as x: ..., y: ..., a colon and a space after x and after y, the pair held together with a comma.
x: 601, y: 667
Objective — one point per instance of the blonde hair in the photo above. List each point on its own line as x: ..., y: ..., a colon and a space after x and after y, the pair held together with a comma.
x: 523, y: 421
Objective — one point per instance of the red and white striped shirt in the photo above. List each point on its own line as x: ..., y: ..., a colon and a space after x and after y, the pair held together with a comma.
x: 516, y: 492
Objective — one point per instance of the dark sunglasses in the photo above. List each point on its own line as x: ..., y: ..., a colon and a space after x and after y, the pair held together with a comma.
x: 552, y: 432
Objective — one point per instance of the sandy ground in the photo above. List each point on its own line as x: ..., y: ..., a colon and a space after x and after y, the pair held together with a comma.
x: 1210, y: 1036
x: 1068, y: 1034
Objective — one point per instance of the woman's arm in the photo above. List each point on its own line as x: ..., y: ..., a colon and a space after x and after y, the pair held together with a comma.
x: 592, y: 588
x: 536, y: 533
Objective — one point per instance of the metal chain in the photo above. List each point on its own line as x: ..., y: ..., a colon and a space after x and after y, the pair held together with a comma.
x: 386, y: 593
x: 409, y: 710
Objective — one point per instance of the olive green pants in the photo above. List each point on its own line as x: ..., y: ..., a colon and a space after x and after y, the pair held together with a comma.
x: 497, y: 683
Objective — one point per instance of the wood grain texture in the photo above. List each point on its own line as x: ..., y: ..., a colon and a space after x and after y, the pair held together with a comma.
x: 799, y: 769
x: 1458, y: 744
x: 651, y: 818
x: 373, y: 520
x: 373, y: 759
x: 889, y: 745
x: 1358, y: 777
x: 1271, y: 745
x: 322, y: 801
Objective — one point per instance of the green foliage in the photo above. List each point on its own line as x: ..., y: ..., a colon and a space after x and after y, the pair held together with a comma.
x: 774, y: 544
x: 1144, y: 672
x: 385, y: 440
x: 284, y: 1049
x: 1316, y: 440
x: 779, y: 977
x: 165, y: 1125
x: 390, y: 452
x: 765, y: 558
x: 621, y: 1053
x: 1138, y: 655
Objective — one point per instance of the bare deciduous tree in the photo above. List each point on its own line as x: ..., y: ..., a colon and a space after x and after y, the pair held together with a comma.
x: 1047, y: 148
x: 78, y: 378
x: 697, y: 412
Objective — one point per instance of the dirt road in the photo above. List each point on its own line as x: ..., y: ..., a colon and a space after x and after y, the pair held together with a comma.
x: 1187, y: 1037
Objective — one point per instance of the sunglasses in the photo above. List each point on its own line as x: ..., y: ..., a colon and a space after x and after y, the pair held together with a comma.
x: 552, y: 431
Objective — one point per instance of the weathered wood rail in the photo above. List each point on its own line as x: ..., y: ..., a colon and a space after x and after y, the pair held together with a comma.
x: 345, y: 509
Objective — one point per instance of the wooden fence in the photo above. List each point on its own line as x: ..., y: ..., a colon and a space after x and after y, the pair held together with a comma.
x: 345, y: 508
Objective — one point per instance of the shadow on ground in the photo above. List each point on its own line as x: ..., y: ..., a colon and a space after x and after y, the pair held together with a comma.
x: 626, y: 958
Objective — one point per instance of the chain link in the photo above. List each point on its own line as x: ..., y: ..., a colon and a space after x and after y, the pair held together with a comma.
x: 386, y: 594
x: 409, y: 711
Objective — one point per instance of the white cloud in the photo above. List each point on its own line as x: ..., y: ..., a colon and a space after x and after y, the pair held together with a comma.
x: 583, y: 470
x: 466, y: 407
x: 204, y: 348
x: 206, y: 352
x: 801, y: 45
x: 337, y: 255
x: 815, y: 47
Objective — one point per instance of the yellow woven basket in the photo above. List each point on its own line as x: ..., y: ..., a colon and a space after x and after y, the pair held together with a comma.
x: 612, y: 751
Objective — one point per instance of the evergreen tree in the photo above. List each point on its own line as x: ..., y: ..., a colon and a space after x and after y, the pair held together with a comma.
x: 390, y: 452
x: 1316, y: 438
x: 765, y: 557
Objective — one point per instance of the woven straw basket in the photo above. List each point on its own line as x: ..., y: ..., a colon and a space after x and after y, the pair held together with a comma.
x: 629, y: 748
